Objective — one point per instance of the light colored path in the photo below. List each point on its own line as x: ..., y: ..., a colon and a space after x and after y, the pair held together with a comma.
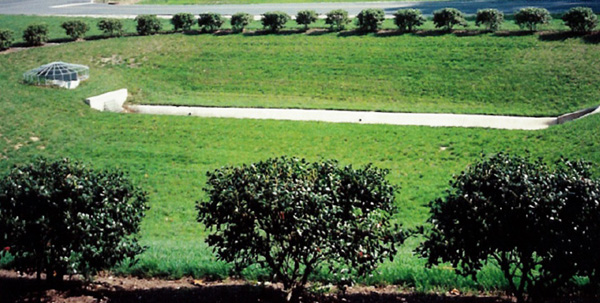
x: 337, y: 116
x: 85, y: 8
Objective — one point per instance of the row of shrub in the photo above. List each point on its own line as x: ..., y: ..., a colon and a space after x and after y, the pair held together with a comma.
x: 579, y: 19
x: 538, y: 223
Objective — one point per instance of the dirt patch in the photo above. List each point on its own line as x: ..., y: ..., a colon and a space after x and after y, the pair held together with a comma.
x: 106, y: 288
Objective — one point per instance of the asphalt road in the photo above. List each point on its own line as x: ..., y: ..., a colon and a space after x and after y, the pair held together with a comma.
x: 87, y: 8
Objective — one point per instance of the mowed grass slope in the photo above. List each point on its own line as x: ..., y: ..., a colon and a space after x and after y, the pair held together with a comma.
x: 169, y: 156
x: 429, y: 72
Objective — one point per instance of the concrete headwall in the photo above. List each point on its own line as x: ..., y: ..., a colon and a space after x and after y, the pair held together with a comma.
x: 111, y: 101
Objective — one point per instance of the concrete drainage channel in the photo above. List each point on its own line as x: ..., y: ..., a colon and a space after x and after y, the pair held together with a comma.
x: 114, y: 102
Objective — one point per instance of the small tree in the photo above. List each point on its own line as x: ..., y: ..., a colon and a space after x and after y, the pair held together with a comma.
x: 36, y: 34
x: 6, y: 39
x: 370, y: 20
x: 408, y: 19
x: 210, y: 22
x: 147, y: 24
x: 491, y: 18
x: 275, y: 21
x: 240, y: 20
x: 337, y: 19
x: 64, y: 218
x: 518, y: 213
x: 111, y: 27
x: 182, y: 21
x: 531, y: 17
x: 294, y: 218
x: 76, y: 29
x: 448, y: 18
x: 306, y: 17
x: 580, y: 19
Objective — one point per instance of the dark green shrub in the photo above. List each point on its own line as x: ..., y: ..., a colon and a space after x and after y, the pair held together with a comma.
x: 580, y: 19
x: 408, y: 19
x: 36, y: 34
x: 147, y: 24
x: 111, y: 27
x: 306, y: 17
x: 448, y: 18
x: 491, y: 18
x: 293, y: 218
x: 337, y: 19
x: 370, y: 20
x: 274, y: 21
x: 531, y: 17
x: 240, y: 20
x: 210, y: 22
x: 65, y: 218
x: 6, y: 39
x: 75, y: 29
x: 539, y: 225
x: 182, y: 21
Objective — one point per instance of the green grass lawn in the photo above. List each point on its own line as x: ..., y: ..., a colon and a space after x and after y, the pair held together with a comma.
x: 429, y: 72
x: 169, y: 156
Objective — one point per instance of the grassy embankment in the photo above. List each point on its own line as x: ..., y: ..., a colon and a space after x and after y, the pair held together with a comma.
x: 169, y: 156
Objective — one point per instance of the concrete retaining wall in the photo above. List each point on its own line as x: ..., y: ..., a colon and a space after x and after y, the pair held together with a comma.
x: 111, y: 101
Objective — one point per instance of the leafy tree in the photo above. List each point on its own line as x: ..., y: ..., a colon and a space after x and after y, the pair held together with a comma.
x: 36, y: 34
x: 531, y: 17
x: 64, y: 218
x: 306, y: 17
x: 147, y: 24
x: 408, y: 19
x: 76, y: 29
x: 240, y: 20
x: 182, y: 21
x: 6, y: 38
x: 294, y: 218
x: 337, y: 19
x: 448, y: 18
x: 370, y: 20
x: 111, y: 27
x: 580, y: 19
x: 519, y: 214
x: 491, y: 18
x: 275, y: 21
x: 210, y: 22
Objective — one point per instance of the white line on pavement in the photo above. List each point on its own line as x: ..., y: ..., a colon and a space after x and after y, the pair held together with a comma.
x: 71, y: 4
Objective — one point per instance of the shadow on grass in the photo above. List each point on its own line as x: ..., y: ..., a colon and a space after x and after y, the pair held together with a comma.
x: 593, y: 38
x: 29, y: 290
x: 266, y: 32
x: 513, y: 33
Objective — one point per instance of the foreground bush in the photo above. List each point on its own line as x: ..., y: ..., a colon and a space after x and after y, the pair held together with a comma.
x: 337, y: 19
x: 306, y: 17
x: 64, y: 218
x: 580, y: 19
x: 182, y: 21
x: 448, y: 18
x: 111, y: 27
x: 370, y: 20
x: 294, y: 218
x: 239, y: 21
x: 75, y: 29
x: 6, y: 39
x: 274, y: 21
x: 210, y: 22
x: 36, y: 34
x: 147, y: 24
x: 538, y: 224
x: 531, y: 17
x: 408, y: 19
x: 490, y: 18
